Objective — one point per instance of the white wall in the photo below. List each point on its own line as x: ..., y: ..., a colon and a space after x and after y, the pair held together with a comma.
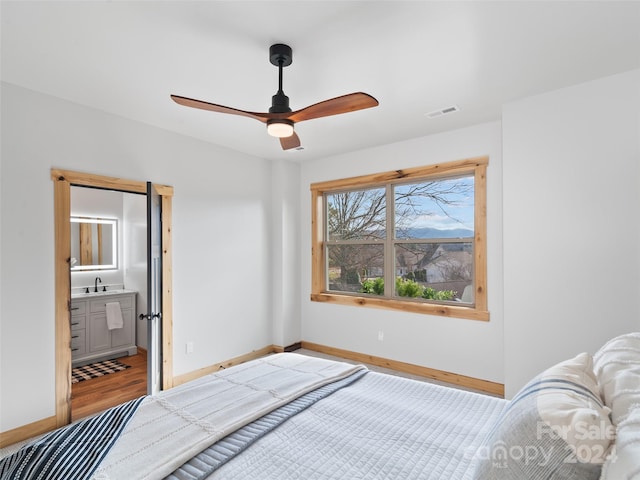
x: 467, y: 347
x: 286, y: 253
x: 221, y: 238
x: 571, y: 222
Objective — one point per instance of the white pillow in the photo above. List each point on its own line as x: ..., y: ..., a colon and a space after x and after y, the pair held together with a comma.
x: 556, y: 427
x: 624, y: 461
x: 617, y: 368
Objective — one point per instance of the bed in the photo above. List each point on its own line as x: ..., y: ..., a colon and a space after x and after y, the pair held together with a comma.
x: 290, y: 416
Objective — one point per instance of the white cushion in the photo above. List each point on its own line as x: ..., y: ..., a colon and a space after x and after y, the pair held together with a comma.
x: 582, y: 420
x: 556, y: 427
x: 617, y: 368
x: 624, y: 461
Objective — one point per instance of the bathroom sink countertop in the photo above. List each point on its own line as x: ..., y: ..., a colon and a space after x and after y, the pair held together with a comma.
x: 100, y: 293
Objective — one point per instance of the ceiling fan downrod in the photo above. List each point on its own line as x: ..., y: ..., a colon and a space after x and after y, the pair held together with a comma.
x: 281, y: 56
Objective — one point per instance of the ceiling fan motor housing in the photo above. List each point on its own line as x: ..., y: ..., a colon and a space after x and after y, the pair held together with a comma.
x: 279, y: 103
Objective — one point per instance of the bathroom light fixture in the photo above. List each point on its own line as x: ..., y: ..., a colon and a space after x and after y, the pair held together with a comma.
x: 280, y: 128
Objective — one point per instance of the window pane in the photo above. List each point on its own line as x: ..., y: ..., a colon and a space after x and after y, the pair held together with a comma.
x: 358, y: 215
x: 351, y: 265
x: 436, y: 271
x: 442, y: 208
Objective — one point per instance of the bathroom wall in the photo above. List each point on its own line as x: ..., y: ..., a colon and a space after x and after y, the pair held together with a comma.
x: 134, y: 256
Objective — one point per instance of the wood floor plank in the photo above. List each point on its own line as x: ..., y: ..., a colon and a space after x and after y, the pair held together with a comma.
x: 98, y: 394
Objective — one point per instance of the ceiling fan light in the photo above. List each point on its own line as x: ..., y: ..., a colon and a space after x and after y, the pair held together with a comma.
x: 280, y: 128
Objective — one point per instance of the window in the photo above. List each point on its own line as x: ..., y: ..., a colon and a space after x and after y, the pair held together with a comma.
x: 412, y: 240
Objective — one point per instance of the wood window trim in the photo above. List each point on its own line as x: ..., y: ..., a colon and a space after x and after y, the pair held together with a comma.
x: 476, y: 166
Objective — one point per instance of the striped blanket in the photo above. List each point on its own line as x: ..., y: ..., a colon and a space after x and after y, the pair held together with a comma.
x: 72, y: 452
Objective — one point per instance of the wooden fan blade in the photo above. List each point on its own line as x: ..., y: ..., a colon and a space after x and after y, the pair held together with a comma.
x: 335, y: 106
x: 290, y: 142
x: 190, y: 102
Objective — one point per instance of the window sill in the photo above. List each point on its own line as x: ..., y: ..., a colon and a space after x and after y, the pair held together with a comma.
x: 441, y: 310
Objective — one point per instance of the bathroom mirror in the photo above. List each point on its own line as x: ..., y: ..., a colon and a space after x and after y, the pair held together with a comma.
x: 93, y: 243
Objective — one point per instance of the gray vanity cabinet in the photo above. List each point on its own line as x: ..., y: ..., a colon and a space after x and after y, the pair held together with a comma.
x: 78, y: 329
x: 91, y: 339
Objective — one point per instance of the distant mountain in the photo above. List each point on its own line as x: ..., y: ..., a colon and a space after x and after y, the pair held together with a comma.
x: 427, y: 232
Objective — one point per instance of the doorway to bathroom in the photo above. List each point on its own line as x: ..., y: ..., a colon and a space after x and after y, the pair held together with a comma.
x: 109, y: 347
x: 147, y: 248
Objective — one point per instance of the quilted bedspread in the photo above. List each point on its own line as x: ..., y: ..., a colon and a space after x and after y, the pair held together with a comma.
x: 379, y: 427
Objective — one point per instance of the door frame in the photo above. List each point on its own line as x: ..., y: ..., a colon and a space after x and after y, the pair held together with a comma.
x: 63, y: 180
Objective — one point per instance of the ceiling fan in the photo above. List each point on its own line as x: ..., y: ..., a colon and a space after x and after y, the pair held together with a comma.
x: 280, y: 119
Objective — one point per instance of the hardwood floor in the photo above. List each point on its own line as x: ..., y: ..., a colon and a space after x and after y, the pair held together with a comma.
x: 98, y: 394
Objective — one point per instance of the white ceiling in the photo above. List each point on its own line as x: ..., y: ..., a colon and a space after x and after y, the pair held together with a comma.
x: 126, y: 58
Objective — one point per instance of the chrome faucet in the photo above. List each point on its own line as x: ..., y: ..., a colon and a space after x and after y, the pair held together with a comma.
x: 98, y: 279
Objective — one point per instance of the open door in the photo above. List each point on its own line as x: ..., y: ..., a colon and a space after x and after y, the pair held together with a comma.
x: 154, y: 290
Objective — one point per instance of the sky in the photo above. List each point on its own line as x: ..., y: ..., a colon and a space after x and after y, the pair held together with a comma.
x: 459, y: 214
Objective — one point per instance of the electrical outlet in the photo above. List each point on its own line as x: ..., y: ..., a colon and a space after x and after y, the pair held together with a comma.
x: 190, y: 347
x: 380, y: 335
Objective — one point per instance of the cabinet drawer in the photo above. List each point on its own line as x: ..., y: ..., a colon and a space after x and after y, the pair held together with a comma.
x: 78, y: 322
x: 78, y: 346
x: 78, y: 308
x: 100, y: 305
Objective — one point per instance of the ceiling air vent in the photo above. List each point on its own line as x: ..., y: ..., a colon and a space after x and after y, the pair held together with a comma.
x: 443, y: 111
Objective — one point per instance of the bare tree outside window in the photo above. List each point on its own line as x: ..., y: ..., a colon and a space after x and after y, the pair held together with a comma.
x: 356, y: 220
